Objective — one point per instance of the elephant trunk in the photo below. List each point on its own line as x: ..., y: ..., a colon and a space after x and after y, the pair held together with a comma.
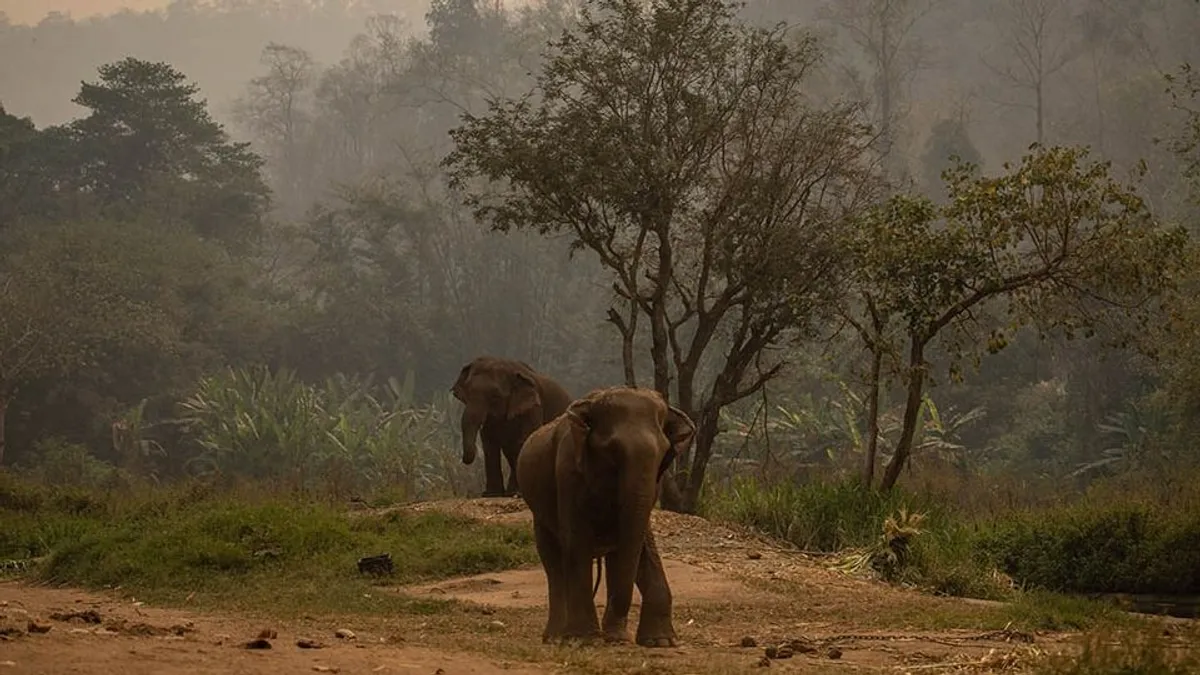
x: 638, y: 492
x: 472, y: 419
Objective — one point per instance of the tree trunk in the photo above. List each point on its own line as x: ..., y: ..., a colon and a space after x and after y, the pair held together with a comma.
x: 3, y: 432
x: 706, y: 437
x: 912, y: 406
x: 868, y: 474
x: 1040, y: 112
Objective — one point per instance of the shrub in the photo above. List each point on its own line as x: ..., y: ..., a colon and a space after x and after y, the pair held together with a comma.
x: 1112, y: 548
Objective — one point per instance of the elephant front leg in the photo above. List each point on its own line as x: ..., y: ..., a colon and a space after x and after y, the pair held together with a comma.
x: 511, y: 454
x: 494, y: 485
x: 552, y: 562
x: 615, y: 626
x: 581, y: 606
x: 655, y: 628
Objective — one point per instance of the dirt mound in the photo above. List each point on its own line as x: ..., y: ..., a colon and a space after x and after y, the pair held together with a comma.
x: 682, y: 538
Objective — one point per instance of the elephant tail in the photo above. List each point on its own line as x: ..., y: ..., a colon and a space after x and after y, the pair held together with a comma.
x: 599, y: 570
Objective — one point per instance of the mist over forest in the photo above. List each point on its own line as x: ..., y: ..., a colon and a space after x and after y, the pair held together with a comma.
x: 228, y: 209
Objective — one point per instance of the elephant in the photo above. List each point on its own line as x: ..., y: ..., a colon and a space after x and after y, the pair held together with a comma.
x: 505, y: 400
x: 591, y: 478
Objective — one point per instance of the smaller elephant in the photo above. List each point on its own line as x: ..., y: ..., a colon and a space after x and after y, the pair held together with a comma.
x: 505, y: 401
x: 591, y: 478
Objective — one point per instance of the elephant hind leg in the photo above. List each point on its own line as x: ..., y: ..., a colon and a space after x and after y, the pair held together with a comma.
x: 655, y: 628
x: 550, y: 553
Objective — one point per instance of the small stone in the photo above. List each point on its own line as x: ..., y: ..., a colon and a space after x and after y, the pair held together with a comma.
x: 258, y: 643
x: 487, y: 611
x: 496, y: 625
x: 754, y: 555
x: 771, y: 652
x: 308, y: 643
x: 35, y: 627
x: 834, y: 653
x: 267, y: 634
x: 749, y: 642
x: 345, y: 634
x: 763, y: 662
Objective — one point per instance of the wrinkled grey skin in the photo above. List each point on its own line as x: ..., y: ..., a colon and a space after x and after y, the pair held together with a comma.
x: 504, y: 401
x: 591, y: 478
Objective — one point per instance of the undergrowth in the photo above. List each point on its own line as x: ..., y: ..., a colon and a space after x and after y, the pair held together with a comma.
x: 242, y: 550
x: 1109, y: 539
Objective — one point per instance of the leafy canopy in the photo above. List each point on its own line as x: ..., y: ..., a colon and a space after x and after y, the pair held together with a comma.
x: 149, y: 141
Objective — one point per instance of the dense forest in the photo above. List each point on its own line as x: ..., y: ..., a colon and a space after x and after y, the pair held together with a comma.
x: 919, y: 240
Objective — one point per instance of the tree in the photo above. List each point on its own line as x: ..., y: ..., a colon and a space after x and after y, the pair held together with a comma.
x: 1036, y: 32
x: 148, y: 142
x: 68, y: 293
x: 1054, y: 242
x: 678, y: 146
x: 277, y: 110
x: 883, y: 30
x: 948, y: 139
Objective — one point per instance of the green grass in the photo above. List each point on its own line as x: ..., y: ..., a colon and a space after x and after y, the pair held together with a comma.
x: 232, y: 550
x: 1043, y: 610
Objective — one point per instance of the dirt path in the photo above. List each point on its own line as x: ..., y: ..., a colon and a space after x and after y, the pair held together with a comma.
x: 91, y: 633
x: 731, y: 589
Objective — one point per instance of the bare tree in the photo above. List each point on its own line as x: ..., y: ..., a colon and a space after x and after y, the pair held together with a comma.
x: 275, y: 108
x: 885, y: 32
x: 1036, y: 36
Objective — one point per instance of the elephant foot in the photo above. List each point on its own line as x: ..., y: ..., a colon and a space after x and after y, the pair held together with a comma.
x: 653, y: 633
x: 657, y: 642
x: 616, y: 635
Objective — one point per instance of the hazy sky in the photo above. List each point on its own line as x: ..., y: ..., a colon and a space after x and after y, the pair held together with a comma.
x: 32, y: 11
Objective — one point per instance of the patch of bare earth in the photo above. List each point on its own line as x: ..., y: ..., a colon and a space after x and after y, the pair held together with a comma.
x: 59, y: 631
x: 740, y: 596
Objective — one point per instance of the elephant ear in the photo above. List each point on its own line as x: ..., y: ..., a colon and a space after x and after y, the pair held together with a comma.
x: 579, y: 414
x: 523, y: 398
x: 680, y: 432
x: 459, y: 390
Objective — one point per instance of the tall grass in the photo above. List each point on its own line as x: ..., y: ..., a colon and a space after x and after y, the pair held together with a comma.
x: 345, y: 436
x: 1108, y: 540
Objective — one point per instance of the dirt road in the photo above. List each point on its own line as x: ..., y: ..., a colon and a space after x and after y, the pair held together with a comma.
x: 732, y: 590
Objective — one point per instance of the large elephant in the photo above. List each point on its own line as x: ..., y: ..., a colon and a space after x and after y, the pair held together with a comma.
x: 591, y: 478
x: 505, y: 401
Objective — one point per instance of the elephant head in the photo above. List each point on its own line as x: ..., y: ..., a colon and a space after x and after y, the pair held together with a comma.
x: 496, y: 389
